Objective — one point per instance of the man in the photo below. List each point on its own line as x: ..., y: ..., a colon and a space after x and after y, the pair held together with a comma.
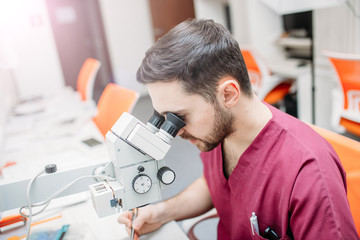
x: 256, y: 158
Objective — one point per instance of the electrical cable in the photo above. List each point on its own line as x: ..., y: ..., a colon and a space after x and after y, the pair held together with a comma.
x: 29, y: 204
x: 47, y: 201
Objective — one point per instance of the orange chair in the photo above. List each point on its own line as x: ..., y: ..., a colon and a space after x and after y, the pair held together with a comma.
x: 346, y: 102
x: 348, y: 151
x: 112, y: 103
x: 86, y: 78
x: 268, y: 87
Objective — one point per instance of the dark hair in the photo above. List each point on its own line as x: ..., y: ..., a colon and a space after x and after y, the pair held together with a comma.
x: 197, y: 53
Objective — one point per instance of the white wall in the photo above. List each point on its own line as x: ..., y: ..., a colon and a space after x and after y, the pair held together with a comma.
x: 211, y: 9
x: 29, y: 47
x: 257, y: 25
x: 129, y: 33
x: 128, y: 29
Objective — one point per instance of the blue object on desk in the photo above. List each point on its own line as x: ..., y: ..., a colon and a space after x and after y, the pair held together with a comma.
x: 50, y: 235
x: 62, y: 232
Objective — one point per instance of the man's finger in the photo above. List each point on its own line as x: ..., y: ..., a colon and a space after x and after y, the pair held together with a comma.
x: 136, y: 236
x: 125, y: 218
x: 128, y: 230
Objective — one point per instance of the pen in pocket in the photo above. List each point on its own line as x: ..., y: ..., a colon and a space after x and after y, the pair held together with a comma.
x: 254, y: 224
x: 270, y: 234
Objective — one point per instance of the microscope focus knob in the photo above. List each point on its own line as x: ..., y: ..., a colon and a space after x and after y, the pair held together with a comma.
x: 141, y: 183
x: 166, y: 175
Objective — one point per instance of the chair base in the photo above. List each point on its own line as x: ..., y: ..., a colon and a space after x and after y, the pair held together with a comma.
x: 191, y: 234
x: 350, y: 126
x: 278, y: 93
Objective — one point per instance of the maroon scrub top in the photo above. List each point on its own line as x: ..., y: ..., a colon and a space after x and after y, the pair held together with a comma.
x: 290, y: 177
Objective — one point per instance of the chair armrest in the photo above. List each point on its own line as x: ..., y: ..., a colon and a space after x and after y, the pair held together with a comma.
x: 187, y: 224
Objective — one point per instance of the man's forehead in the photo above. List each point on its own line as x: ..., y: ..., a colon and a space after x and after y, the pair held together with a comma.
x: 159, y: 87
x: 166, y: 96
x: 164, y: 106
x: 171, y: 97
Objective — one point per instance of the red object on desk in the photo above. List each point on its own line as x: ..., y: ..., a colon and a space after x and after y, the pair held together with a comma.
x: 8, y: 164
x: 9, y: 222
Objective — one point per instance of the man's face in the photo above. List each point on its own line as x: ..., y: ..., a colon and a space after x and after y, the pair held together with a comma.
x: 206, y: 124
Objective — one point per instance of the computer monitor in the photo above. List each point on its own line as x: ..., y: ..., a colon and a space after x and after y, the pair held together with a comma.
x: 298, y: 24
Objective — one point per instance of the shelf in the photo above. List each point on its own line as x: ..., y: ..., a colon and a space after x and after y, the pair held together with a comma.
x: 302, y: 43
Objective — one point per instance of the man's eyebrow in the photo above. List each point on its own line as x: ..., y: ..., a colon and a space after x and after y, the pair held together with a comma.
x: 174, y: 112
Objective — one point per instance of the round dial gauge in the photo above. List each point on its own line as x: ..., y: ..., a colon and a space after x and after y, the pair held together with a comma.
x: 141, y: 183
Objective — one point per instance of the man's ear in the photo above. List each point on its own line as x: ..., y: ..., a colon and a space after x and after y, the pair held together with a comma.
x: 229, y: 91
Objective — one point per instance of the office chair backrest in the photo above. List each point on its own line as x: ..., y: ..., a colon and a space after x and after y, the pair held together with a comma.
x: 86, y: 78
x: 112, y: 103
x: 268, y: 87
x: 348, y: 151
x: 347, y: 67
x: 256, y: 73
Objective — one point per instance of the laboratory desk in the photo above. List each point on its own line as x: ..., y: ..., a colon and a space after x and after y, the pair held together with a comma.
x: 77, y: 212
x: 60, y: 131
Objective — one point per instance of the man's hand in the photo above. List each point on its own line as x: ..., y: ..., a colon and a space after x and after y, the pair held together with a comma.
x: 148, y: 220
x: 193, y: 201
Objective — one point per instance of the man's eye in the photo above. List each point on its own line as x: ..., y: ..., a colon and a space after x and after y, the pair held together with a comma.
x: 182, y: 117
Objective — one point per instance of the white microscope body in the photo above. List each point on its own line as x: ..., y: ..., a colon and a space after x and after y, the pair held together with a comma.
x: 136, y: 153
x: 136, y: 163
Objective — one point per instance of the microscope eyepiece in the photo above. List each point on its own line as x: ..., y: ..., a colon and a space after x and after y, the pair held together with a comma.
x: 173, y: 124
x: 156, y: 119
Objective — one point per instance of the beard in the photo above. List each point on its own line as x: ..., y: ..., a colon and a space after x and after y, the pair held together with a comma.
x: 222, y: 128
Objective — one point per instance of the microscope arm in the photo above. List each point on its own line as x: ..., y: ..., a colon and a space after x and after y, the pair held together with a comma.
x: 136, y: 168
x: 13, y: 193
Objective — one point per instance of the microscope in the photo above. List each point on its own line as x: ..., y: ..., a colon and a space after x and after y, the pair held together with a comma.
x: 136, y: 153
x: 133, y: 176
